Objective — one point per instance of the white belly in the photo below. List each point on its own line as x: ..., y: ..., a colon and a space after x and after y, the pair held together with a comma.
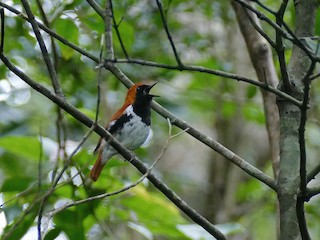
x: 133, y: 134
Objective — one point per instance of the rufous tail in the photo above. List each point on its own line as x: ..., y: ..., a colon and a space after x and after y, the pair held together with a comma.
x: 97, y: 168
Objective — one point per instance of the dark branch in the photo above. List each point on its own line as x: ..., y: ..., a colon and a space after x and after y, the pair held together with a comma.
x: 259, y: 29
x: 45, y: 54
x: 196, y: 217
x: 2, y: 29
x: 311, y: 175
x: 165, y: 25
x: 311, y: 192
x: 116, y: 28
x: 96, y: 7
x: 228, y: 154
x: 153, y: 64
x: 280, y: 48
x: 263, y: 86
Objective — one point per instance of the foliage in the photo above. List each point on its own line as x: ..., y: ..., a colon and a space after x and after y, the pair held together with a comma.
x: 35, y: 143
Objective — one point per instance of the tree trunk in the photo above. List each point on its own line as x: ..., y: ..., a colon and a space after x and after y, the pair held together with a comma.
x: 290, y: 116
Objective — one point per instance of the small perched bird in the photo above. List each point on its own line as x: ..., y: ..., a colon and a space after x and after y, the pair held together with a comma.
x: 130, y: 125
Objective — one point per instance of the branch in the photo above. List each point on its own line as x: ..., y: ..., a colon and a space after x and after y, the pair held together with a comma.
x: 262, y: 61
x: 2, y: 30
x: 96, y: 7
x: 311, y: 192
x: 101, y: 196
x: 153, y: 64
x: 280, y: 48
x: 45, y: 54
x: 52, y: 33
x: 201, y: 69
x: 183, y: 125
x: 311, y: 175
x: 303, y: 155
x: 228, y: 154
x: 116, y: 27
x: 188, y: 210
x: 165, y: 25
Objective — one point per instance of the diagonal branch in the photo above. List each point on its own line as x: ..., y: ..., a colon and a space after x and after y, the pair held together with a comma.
x: 228, y: 154
x: 195, y: 133
x: 45, y: 54
x: 188, y: 210
x: 154, y: 64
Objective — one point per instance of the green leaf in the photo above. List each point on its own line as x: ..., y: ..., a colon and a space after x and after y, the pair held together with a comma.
x: 16, y: 184
x: 251, y: 91
x: 21, y: 228
x: 26, y: 147
x: 67, y: 29
x: 52, y: 234
x: 70, y: 222
x: 155, y: 213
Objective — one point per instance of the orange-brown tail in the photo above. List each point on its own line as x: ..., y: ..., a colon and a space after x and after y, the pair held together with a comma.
x: 97, y: 168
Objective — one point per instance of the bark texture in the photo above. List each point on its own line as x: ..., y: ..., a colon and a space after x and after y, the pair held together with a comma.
x: 290, y: 117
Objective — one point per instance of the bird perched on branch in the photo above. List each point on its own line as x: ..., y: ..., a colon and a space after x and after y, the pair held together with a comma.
x: 130, y: 125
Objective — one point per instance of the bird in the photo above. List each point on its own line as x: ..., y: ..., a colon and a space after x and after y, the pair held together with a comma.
x: 130, y: 125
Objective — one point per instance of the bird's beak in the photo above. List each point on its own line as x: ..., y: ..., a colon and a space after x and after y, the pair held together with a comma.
x: 149, y: 88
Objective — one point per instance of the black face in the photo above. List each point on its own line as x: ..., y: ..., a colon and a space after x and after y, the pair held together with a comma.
x: 143, y: 91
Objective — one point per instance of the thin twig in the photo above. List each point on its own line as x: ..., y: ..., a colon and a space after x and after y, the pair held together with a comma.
x: 264, y: 7
x: 45, y: 54
x: 311, y: 192
x: 303, y: 155
x: 188, y: 210
x: 216, y: 146
x: 311, y: 175
x: 2, y: 29
x: 116, y: 28
x: 259, y: 29
x: 201, y: 69
x: 53, y: 43
x: 159, y: 65
x: 101, y: 196
x: 39, y: 185
x: 96, y: 7
x: 165, y: 25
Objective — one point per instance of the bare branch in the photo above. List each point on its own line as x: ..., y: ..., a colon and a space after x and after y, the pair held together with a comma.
x: 45, y: 54
x: 165, y: 25
x: 232, y: 76
x: 261, y: 57
x: 96, y: 7
x: 188, y: 210
x: 311, y: 175
x: 228, y: 154
x: 2, y: 29
x: 311, y: 192
x: 154, y: 64
x: 116, y: 27
x: 101, y: 196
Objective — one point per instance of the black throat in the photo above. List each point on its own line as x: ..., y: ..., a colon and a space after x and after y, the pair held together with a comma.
x: 142, y: 107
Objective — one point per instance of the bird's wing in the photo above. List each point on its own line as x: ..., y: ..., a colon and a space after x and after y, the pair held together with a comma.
x: 113, y: 119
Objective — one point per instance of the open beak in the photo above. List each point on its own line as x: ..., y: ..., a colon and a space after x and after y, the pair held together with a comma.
x: 149, y: 88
